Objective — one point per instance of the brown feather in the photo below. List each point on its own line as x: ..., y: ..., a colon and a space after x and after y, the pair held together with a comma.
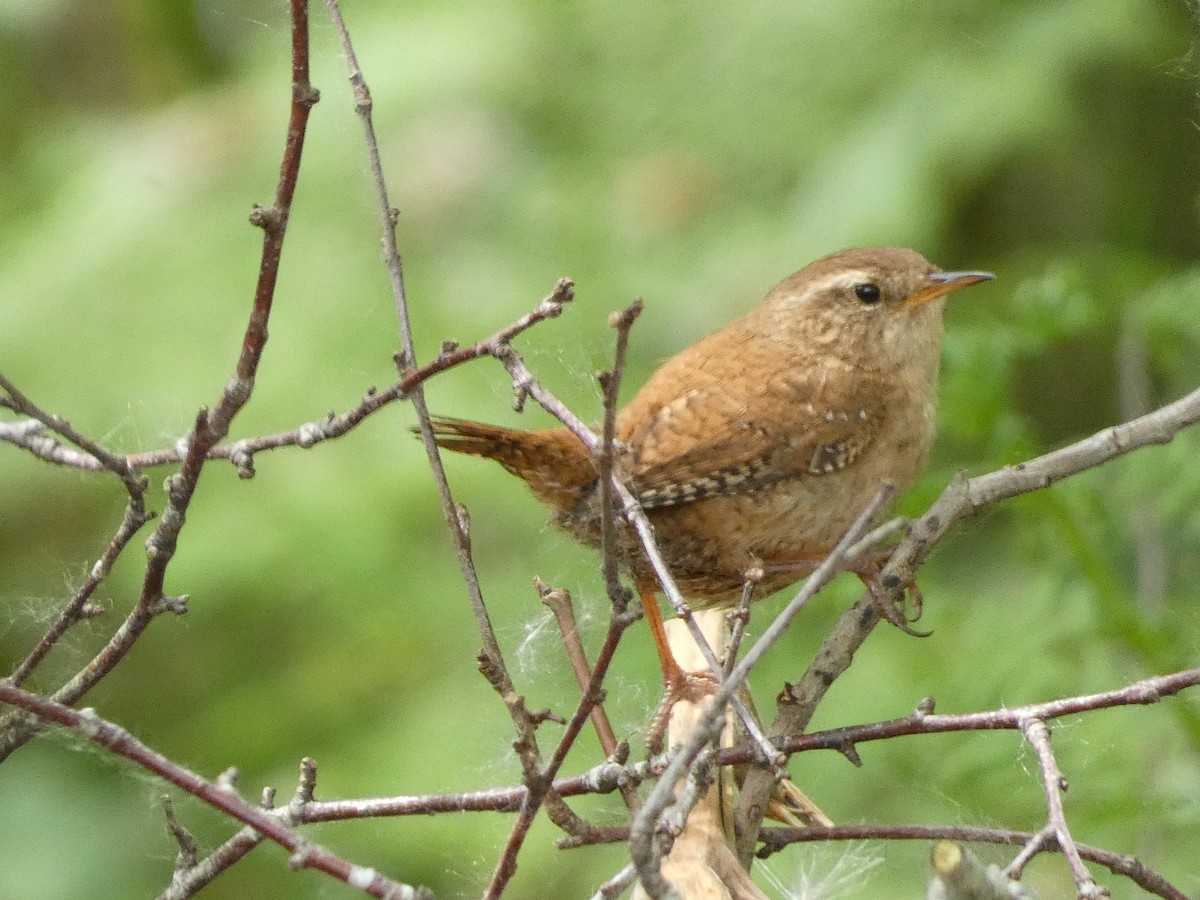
x: 553, y: 462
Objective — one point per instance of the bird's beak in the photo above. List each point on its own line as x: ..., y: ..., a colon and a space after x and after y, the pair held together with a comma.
x: 943, y: 283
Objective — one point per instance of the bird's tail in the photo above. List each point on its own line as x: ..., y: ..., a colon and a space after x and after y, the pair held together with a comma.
x: 553, y: 462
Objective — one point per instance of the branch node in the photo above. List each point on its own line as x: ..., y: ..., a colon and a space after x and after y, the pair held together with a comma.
x: 520, y: 395
x: 310, y: 433
x: 361, y: 877
x: 538, y: 716
x: 463, y: 516
x: 850, y: 751
x: 300, y: 857
x: 492, y: 670
x: 624, y: 318
x: 163, y: 603
x: 306, y: 95
x: 564, y: 292
x: 89, y: 727
x: 188, y: 849
x: 307, y: 784
x: 268, y: 218
x: 243, y: 459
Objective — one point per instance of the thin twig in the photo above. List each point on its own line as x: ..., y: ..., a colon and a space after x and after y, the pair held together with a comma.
x: 189, y: 882
x: 525, y: 383
x: 1055, y: 784
x: 29, y: 434
x: 776, y: 839
x: 133, y: 519
x: 211, y: 426
x: 642, y: 850
x: 304, y: 853
x: 491, y: 658
x: 967, y: 496
x: 1144, y: 692
x: 1035, y: 845
x: 740, y: 617
x: 559, y: 602
x: 135, y: 482
x: 451, y: 511
x: 610, y: 383
x: 188, y: 849
x: 617, y: 885
x: 506, y: 866
x: 609, y: 776
x: 961, y: 498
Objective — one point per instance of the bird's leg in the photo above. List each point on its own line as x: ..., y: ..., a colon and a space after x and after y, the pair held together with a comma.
x: 677, y: 684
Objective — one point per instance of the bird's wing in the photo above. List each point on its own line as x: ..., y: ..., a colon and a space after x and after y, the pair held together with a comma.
x: 723, y: 436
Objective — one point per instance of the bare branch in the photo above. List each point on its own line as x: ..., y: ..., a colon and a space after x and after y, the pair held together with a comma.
x: 134, y: 483
x: 492, y: 664
x: 559, y: 602
x: 184, y: 838
x: 1055, y: 784
x: 967, y: 496
x: 961, y: 498
x: 610, y: 383
x: 617, y: 885
x: 1144, y: 692
x: 29, y: 434
x: 210, y: 426
x: 77, y: 607
x: 525, y: 383
x: 646, y: 823
x: 455, y: 515
x: 305, y: 854
x: 776, y: 839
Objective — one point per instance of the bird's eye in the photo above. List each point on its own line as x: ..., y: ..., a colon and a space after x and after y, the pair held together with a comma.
x: 867, y: 292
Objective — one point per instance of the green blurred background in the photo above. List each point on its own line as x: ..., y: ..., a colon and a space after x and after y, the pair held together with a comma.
x: 691, y: 154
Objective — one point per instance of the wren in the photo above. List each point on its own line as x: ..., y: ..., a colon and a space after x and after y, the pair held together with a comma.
x: 760, y: 444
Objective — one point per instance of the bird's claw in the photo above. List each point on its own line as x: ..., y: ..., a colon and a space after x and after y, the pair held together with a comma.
x: 891, y: 608
x: 889, y: 593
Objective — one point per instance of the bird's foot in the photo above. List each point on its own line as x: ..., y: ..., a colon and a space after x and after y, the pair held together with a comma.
x: 891, y: 595
x: 679, y: 686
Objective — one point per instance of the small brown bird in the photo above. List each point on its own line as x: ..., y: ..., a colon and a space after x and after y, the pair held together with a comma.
x: 760, y: 444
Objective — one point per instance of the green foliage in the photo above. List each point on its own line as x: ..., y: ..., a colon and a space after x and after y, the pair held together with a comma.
x: 691, y: 155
